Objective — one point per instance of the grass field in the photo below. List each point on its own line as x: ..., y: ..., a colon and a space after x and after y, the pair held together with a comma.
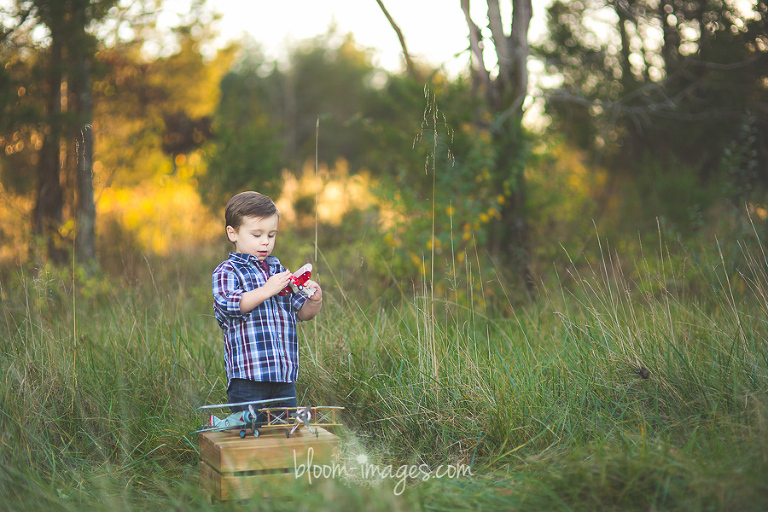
x: 623, y: 386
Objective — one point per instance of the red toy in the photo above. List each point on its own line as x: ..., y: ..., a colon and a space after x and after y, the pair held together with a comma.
x: 298, y: 279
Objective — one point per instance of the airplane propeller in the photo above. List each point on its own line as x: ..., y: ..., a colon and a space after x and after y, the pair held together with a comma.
x: 253, y: 421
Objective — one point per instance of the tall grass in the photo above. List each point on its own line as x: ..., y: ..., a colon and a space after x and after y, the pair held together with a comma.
x: 625, y: 385
x: 633, y: 387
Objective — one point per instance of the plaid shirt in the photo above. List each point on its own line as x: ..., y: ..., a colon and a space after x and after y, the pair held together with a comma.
x: 260, y: 345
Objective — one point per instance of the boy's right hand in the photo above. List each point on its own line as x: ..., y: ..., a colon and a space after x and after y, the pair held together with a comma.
x: 276, y: 283
x: 272, y: 287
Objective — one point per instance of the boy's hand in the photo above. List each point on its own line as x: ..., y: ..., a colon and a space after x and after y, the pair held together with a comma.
x: 272, y: 287
x: 276, y: 283
x: 312, y: 306
x: 317, y: 296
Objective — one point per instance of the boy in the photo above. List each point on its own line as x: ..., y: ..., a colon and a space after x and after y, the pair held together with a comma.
x: 260, y: 342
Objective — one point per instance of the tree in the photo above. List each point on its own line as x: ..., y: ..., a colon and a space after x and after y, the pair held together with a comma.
x: 33, y: 80
x: 50, y: 197
x: 82, y: 49
x: 267, y: 118
x: 501, y: 89
x: 54, y: 135
x: 65, y: 60
x: 668, y: 81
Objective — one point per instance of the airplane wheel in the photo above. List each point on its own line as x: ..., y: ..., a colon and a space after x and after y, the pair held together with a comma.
x: 242, y: 434
x: 255, y: 432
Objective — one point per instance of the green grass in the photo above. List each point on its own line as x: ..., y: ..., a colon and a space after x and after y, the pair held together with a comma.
x: 623, y: 386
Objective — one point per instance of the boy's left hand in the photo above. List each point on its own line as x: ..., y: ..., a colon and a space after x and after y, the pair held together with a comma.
x: 317, y: 296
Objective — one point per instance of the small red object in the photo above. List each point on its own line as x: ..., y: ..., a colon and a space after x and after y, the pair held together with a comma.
x: 298, y: 280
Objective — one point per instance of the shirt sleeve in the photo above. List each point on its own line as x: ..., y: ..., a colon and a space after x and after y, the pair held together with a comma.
x: 297, y: 301
x: 227, y: 292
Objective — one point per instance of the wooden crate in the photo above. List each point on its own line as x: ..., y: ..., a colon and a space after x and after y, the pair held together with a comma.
x: 236, y: 468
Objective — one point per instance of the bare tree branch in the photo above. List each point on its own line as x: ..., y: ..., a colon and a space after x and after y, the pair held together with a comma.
x: 409, y: 67
x: 477, y: 51
x: 503, y: 48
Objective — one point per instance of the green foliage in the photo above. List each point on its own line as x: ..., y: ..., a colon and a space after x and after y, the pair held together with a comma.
x: 268, y: 118
x: 247, y: 153
x: 683, y: 100
x: 135, y: 100
x: 331, y: 80
x: 671, y: 191
x: 444, y: 213
x: 740, y: 164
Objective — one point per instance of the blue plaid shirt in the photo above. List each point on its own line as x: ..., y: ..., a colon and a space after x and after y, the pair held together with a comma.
x: 260, y: 345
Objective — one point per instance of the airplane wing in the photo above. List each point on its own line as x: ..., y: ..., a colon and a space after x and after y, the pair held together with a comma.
x: 236, y: 420
x: 291, y: 418
x: 325, y: 415
x: 211, y: 428
x: 238, y: 404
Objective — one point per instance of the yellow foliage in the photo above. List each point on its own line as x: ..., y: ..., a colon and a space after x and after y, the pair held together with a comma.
x: 759, y: 210
x: 163, y: 215
x: 337, y: 192
x: 66, y: 229
x: 15, y: 212
x: 391, y: 240
x: 567, y: 170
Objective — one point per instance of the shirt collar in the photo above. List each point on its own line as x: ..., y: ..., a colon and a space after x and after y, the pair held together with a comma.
x: 244, y: 259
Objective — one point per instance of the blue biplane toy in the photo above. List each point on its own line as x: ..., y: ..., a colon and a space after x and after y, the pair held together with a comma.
x: 288, y: 418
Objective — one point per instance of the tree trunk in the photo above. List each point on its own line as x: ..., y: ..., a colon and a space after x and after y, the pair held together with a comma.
x: 50, y: 195
x: 511, y: 236
x: 85, y: 240
x: 510, y: 239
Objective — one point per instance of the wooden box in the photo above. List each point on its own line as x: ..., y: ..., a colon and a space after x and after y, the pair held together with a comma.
x: 233, y: 468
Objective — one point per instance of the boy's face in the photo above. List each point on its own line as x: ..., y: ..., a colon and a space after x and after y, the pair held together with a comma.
x: 255, y: 236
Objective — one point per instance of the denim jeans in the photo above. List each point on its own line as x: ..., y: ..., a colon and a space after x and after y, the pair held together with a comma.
x: 243, y: 390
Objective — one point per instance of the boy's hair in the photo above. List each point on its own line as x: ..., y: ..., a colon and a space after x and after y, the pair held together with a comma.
x: 248, y: 204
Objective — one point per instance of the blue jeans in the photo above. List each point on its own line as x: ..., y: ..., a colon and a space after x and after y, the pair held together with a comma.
x: 243, y: 390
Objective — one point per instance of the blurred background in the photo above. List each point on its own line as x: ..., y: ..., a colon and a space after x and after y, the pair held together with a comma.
x: 539, y: 227
x: 497, y: 145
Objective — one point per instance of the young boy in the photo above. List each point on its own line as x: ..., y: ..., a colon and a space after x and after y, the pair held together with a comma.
x: 261, y: 347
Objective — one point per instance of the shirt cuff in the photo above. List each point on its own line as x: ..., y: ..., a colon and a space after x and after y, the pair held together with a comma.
x: 298, y: 300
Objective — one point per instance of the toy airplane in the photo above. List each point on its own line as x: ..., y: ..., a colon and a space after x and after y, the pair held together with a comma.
x: 298, y: 280
x: 241, y: 419
x: 289, y: 418
x: 293, y: 418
